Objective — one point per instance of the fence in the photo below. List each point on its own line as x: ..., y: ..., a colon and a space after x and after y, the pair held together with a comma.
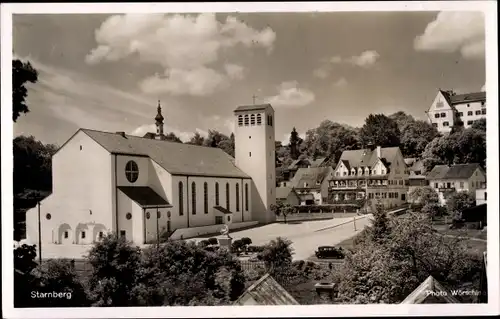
x: 247, y: 265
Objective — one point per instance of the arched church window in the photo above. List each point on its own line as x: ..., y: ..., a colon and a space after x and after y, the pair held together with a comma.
x: 132, y: 171
x: 240, y: 120
x: 246, y: 197
x: 259, y: 119
x: 237, y: 197
x: 181, y: 199
x: 227, y: 196
x: 205, y: 197
x: 217, y: 194
x: 246, y: 119
x: 193, y: 197
x: 252, y: 119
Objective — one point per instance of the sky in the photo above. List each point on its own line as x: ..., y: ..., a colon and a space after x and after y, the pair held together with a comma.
x: 107, y: 72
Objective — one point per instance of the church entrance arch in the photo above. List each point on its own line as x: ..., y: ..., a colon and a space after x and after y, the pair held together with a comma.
x: 65, y: 234
x: 82, y: 234
x: 99, y: 232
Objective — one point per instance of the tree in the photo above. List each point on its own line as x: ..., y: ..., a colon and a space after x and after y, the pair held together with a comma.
x: 237, y: 246
x: 24, y: 281
x: 213, y: 241
x: 423, y: 195
x: 480, y: 125
x: 197, y: 139
x: 219, y: 140
x: 402, y: 119
x: 246, y: 242
x: 432, y: 210
x: 294, y: 141
x: 22, y: 74
x: 458, y: 202
x: 380, y: 228
x: 282, y: 209
x: 380, y: 130
x: 387, y: 271
x: 59, y: 276
x: 277, y: 256
x: 415, y: 137
x: 181, y: 273
x: 171, y: 137
x: 116, y: 270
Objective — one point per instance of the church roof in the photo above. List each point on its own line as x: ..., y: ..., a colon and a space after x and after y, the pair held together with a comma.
x: 144, y: 196
x: 267, y: 292
x: 175, y: 158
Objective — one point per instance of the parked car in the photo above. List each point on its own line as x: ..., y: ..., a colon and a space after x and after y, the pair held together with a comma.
x: 330, y: 252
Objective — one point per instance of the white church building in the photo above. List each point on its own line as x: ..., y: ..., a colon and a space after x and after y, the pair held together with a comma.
x: 138, y: 187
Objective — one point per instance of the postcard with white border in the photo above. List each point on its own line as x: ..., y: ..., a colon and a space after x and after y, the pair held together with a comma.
x: 249, y: 159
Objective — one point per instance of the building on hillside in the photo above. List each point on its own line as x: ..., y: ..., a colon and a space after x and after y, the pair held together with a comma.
x: 430, y: 291
x: 287, y: 195
x: 456, y: 178
x: 311, y: 184
x: 373, y: 174
x: 292, y: 169
x: 266, y: 292
x: 416, y: 178
x: 136, y: 187
x: 449, y: 109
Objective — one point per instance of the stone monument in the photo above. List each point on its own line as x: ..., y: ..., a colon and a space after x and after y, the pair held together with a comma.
x: 225, y: 242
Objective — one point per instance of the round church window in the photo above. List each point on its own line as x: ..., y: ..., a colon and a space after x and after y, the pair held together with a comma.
x: 48, y: 216
x: 132, y: 171
x: 128, y: 216
x: 148, y: 215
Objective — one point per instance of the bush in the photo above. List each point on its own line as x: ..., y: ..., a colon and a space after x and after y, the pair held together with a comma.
x: 203, y: 243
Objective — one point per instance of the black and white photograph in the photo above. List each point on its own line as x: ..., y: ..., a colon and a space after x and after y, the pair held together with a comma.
x: 201, y: 155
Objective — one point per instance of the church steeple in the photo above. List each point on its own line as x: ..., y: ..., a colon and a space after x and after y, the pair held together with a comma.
x: 159, y: 121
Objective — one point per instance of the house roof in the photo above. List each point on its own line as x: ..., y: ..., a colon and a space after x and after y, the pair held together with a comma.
x: 308, y: 161
x: 457, y: 171
x: 421, y: 293
x: 283, y: 192
x: 175, y: 158
x: 409, y: 161
x: 258, y: 107
x: 267, y: 292
x: 366, y: 157
x: 468, y: 98
x: 144, y: 196
x: 311, y: 175
x: 223, y: 210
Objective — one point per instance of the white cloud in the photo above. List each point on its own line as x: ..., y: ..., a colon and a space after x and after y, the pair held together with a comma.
x: 483, y: 88
x: 290, y: 95
x: 365, y: 59
x: 340, y: 82
x: 185, y: 45
x: 452, y: 32
x: 183, y: 135
x: 321, y: 72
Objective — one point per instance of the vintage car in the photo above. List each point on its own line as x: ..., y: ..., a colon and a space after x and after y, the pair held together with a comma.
x: 330, y: 252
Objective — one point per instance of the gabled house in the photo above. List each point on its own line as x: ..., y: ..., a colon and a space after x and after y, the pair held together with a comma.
x: 287, y: 195
x: 449, y: 108
x: 311, y: 184
x: 460, y: 178
x: 266, y: 292
x: 373, y: 174
x: 416, y: 178
x: 302, y: 163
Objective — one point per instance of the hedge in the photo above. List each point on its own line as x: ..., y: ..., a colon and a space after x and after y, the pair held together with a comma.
x: 326, y: 208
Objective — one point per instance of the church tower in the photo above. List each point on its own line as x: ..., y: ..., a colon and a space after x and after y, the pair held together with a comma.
x: 255, y: 155
x: 159, y: 123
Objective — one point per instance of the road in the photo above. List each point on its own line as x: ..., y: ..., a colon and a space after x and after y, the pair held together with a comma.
x: 306, y: 236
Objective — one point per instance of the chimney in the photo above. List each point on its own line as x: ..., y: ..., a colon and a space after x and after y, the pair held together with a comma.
x: 379, y: 151
x: 122, y: 134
